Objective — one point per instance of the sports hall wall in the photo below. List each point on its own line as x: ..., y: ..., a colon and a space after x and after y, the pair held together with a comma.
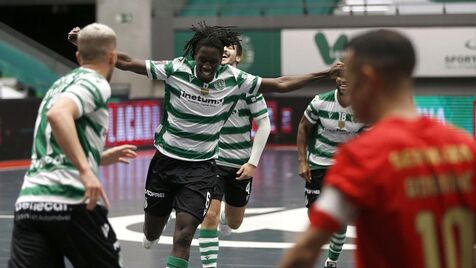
x: 445, y: 85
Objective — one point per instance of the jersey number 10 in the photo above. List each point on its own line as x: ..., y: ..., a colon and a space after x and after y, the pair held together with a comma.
x: 455, y: 221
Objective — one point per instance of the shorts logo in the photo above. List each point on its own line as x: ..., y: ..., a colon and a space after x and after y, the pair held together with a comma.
x: 105, y: 230
x: 153, y: 194
x: 207, y: 203
x: 145, y: 202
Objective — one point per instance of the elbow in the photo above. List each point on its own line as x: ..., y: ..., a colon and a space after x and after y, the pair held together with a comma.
x: 53, y: 116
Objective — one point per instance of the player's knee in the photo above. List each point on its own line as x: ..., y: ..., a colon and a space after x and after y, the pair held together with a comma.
x: 212, y: 219
x: 234, y: 223
x: 183, y: 238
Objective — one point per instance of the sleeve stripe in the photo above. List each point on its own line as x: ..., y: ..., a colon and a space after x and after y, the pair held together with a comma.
x: 264, y: 111
x: 313, y: 121
x: 252, y: 89
x: 153, y: 70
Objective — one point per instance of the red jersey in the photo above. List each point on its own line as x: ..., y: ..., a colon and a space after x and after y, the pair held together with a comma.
x: 414, y: 185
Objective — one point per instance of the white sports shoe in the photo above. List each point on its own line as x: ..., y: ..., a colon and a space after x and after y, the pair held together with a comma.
x: 223, y: 227
x: 148, y: 244
x: 330, y: 264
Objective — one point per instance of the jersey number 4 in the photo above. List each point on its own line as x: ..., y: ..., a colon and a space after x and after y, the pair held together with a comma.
x: 455, y: 221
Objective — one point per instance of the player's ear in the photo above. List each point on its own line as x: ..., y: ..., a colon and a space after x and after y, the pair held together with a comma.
x: 238, y: 59
x: 78, y: 58
x: 112, y: 58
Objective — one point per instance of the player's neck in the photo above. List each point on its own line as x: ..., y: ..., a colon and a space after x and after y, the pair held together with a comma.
x: 343, y: 99
x: 101, y: 69
x: 398, y: 105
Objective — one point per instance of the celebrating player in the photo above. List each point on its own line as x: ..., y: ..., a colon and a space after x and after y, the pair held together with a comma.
x: 51, y: 218
x: 408, y: 183
x: 237, y: 160
x: 327, y: 122
x: 200, y: 95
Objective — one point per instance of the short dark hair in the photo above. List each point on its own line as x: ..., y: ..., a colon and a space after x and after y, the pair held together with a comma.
x: 210, y: 36
x: 391, y: 53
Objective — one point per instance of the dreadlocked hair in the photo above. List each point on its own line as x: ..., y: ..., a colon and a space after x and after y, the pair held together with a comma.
x: 211, y: 36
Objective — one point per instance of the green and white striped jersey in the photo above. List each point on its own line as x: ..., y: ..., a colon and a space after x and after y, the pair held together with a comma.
x: 51, y: 176
x: 334, y: 125
x: 235, y: 136
x: 194, y: 111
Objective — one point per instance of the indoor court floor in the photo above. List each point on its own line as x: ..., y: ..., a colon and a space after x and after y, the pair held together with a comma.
x: 274, y: 217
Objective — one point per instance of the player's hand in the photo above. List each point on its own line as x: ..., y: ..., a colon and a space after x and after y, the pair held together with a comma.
x: 336, y: 70
x: 246, y: 171
x: 304, y: 171
x: 73, y: 36
x: 121, y: 153
x: 94, y: 190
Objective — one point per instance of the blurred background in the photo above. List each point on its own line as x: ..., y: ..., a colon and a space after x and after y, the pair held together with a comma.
x: 280, y: 37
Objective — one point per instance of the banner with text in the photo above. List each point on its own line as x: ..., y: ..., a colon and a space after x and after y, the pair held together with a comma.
x: 448, y: 52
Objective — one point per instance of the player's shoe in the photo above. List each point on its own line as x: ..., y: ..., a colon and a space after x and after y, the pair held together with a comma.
x: 148, y: 244
x: 223, y: 227
x: 330, y: 264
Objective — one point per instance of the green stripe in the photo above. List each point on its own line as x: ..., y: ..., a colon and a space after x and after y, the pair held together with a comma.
x: 184, y: 76
x: 55, y: 190
x: 333, y: 115
x: 232, y: 98
x: 192, y: 136
x: 98, y: 102
x: 80, y: 100
x: 313, y: 110
x: 241, y: 78
x: 169, y: 68
x: 153, y: 70
x: 208, y: 233
x: 235, y: 146
x: 235, y: 130
x: 205, y: 262
x: 327, y: 141
x: 81, y: 125
x: 188, y: 154
x: 208, y: 244
x: 254, y: 115
x: 329, y: 96
x: 321, y: 153
x: 196, y: 118
x: 253, y: 86
x: 244, y: 112
x: 172, y: 89
x: 233, y: 161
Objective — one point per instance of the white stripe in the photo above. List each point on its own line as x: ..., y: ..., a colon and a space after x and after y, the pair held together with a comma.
x: 207, y: 249
x: 208, y: 240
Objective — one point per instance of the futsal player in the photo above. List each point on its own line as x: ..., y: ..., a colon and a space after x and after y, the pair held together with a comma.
x: 238, y: 158
x: 57, y: 213
x: 200, y: 95
x: 408, y: 184
x: 327, y: 123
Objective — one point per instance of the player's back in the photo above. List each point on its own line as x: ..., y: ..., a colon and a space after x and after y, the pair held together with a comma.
x: 422, y: 197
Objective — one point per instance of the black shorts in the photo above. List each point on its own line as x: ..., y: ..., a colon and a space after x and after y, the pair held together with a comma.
x: 237, y: 193
x: 185, y: 186
x: 313, y: 188
x: 44, y: 233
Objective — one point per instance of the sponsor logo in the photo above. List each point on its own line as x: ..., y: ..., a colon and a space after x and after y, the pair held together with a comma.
x: 42, y: 162
x: 471, y: 44
x: 200, y: 99
x: 105, y: 230
x: 154, y: 194
x: 329, y: 53
x: 41, y: 206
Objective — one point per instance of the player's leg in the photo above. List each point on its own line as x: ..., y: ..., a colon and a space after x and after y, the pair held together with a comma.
x: 335, y: 247
x: 313, y: 189
x: 208, y: 234
x: 191, y: 202
x: 88, y: 239
x: 30, y: 247
x: 159, y: 194
x: 237, y: 195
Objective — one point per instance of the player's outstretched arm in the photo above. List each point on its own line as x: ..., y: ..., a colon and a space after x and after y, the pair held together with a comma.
x: 304, y: 131
x: 306, y: 250
x: 61, y: 118
x: 124, y: 61
x: 289, y: 83
x: 262, y: 133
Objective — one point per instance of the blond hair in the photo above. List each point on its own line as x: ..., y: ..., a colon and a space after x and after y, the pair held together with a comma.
x: 95, y: 41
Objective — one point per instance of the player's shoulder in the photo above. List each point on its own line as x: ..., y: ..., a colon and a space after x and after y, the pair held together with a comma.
x: 328, y: 96
x: 93, y: 79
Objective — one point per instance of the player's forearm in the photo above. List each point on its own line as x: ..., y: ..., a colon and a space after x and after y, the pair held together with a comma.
x: 302, y: 142
x: 290, y: 83
x: 127, y: 63
x: 65, y: 133
x: 259, y: 143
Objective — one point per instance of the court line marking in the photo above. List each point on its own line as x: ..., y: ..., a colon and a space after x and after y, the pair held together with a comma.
x: 6, y: 217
